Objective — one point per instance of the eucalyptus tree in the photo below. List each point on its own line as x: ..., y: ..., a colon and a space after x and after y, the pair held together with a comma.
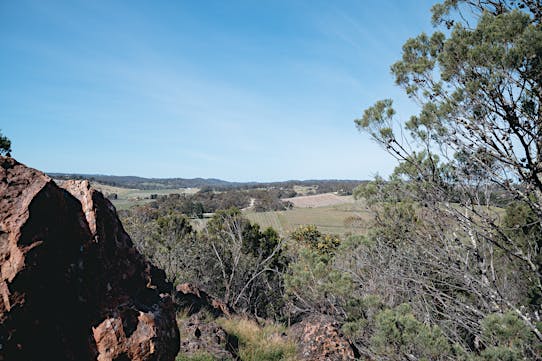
x: 477, y: 138
x: 247, y: 263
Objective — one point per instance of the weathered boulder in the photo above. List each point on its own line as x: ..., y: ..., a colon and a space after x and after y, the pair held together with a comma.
x: 319, y: 338
x: 200, y: 333
x: 72, y: 285
x: 192, y: 299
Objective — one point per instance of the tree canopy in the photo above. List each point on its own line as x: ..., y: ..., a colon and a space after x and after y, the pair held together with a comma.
x: 478, y: 137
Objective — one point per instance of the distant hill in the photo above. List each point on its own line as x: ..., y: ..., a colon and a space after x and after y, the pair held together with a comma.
x: 148, y: 183
x: 217, y: 184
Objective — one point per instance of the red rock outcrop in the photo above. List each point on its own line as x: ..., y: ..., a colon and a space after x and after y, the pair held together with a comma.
x: 319, y: 338
x: 199, y: 334
x: 72, y: 285
x: 193, y: 299
x: 199, y: 330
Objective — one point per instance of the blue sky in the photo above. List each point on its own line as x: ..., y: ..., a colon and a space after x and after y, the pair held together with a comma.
x: 237, y: 90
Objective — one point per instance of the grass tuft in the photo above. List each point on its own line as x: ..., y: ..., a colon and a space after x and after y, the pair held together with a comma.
x: 258, y: 343
x: 197, y: 357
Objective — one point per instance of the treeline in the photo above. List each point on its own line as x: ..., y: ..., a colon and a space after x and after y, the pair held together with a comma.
x: 147, y: 183
x: 319, y: 186
x: 209, y: 201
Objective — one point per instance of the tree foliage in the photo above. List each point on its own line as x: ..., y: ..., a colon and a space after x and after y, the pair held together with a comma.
x: 248, y: 263
x: 230, y: 257
x: 310, y: 236
x: 477, y: 137
x: 5, y: 145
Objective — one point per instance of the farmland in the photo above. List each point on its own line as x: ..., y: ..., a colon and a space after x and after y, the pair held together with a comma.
x: 345, y: 216
x: 128, y: 197
x: 330, y: 212
x: 319, y: 200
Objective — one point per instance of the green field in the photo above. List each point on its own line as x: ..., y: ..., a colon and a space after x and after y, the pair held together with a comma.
x: 337, y: 219
x: 128, y: 197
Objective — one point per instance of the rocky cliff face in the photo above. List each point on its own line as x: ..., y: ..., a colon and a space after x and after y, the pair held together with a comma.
x: 72, y: 285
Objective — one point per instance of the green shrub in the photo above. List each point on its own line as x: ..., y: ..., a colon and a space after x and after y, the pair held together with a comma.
x: 398, y: 334
x: 310, y: 236
x: 507, y: 338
